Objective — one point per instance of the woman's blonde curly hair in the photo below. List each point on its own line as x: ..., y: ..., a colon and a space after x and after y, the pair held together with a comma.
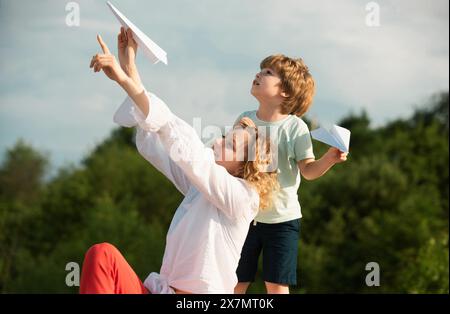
x: 255, y: 170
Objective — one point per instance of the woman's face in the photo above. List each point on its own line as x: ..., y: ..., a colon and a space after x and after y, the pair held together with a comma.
x: 230, y: 150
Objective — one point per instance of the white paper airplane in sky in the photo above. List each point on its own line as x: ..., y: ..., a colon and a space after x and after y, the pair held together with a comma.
x: 150, y: 48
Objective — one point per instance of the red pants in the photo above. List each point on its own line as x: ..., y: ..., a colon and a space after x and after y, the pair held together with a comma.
x: 105, y: 270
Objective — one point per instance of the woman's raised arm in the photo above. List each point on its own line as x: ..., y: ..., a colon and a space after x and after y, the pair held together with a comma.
x: 127, y: 49
x: 108, y: 63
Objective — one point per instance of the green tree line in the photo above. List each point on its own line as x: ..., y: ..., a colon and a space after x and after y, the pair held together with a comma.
x: 387, y: 204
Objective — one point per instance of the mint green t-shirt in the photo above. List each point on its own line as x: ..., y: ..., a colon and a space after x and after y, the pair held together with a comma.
x: 294, y: 144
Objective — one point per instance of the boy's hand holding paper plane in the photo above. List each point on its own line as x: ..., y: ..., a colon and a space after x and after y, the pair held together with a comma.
x: 337, y: 137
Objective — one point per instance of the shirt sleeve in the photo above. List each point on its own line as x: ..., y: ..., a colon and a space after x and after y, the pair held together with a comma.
x: 149, y: 144
x: 233, y: 196
x: 303, y: 148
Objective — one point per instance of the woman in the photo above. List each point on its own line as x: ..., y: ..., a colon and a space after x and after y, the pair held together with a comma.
x: 222, y: 195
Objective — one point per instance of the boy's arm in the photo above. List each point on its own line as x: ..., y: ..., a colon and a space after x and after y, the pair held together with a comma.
x: 312, y: 169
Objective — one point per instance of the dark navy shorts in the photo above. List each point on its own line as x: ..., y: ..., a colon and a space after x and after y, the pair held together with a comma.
x: 279, y: 245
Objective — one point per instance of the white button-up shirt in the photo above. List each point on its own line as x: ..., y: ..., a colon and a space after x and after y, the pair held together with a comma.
x: 208, y: 230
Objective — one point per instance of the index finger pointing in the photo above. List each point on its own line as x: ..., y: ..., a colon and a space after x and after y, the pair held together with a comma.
x: 103, y: 45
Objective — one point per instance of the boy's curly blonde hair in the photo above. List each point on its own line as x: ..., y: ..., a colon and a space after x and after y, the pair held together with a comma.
x: 255, y: 170
x: 296, y: 81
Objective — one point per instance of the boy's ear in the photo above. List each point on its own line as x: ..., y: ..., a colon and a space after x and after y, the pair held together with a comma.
x: 284, y: 94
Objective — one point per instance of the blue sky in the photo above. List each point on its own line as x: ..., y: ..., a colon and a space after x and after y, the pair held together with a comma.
x: 50, y: 97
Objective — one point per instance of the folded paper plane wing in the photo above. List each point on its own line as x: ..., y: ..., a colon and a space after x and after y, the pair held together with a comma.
x: 338, y: 137
x: 148, y: 47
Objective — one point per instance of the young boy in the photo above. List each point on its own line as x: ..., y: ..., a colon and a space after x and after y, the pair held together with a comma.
x: 284, y: 89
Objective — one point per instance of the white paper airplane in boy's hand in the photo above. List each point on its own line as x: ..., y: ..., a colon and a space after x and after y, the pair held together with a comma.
x: 337, y: 136
x: 150, y: 49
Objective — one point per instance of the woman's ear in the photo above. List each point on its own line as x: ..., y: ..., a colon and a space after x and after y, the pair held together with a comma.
x: 284, y: 94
